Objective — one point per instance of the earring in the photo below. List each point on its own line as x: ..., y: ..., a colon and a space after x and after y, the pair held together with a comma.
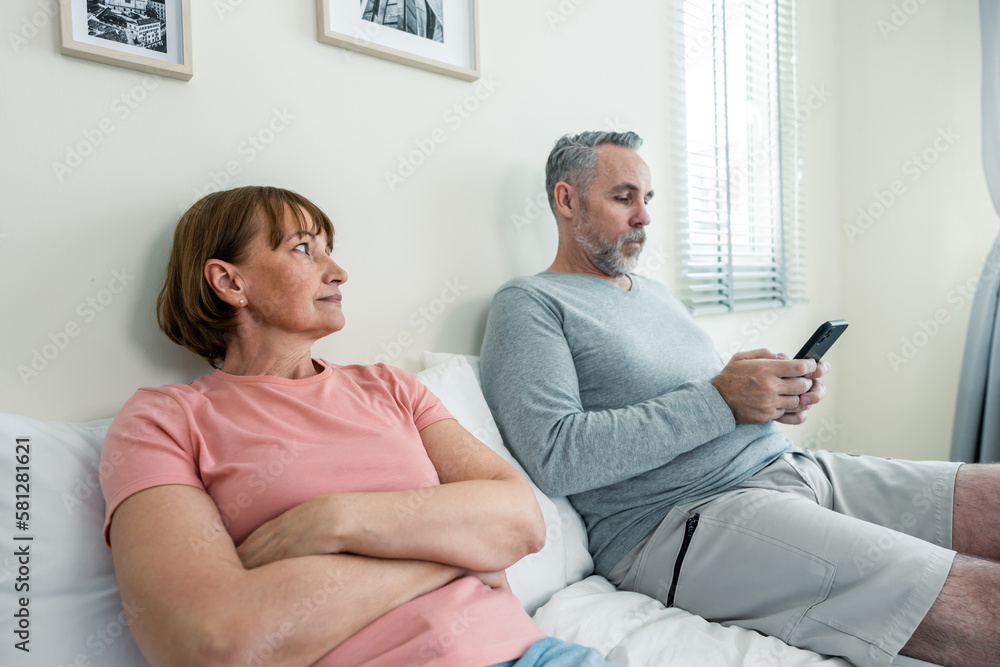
x: 241, y: 302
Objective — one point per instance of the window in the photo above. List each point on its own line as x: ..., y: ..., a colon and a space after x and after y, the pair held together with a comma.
x: 740, y: 193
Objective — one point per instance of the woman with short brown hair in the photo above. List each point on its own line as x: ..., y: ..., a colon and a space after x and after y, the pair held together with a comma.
x: 286, y: 510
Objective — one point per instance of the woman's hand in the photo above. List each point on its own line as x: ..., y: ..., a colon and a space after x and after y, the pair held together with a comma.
x: 289, y: 535
x: 495, y: 580
x: 483, y: 516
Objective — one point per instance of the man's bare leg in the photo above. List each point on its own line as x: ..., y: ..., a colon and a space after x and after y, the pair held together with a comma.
x: 962, y: 629
x: 976, y: 524
x: 963, y: 626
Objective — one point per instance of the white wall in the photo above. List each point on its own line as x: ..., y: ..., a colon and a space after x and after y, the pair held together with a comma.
x: 911, y: 84
x: 554, y: 66
x: 352, y: 118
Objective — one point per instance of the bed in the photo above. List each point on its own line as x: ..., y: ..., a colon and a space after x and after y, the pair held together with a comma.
x: 66, y: 606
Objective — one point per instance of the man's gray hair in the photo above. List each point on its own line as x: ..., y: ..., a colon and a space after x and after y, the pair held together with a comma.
x: 574, y: 160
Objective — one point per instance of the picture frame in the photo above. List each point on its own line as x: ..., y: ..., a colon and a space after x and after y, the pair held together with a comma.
x: 407, y: 31
x: 152, y: 36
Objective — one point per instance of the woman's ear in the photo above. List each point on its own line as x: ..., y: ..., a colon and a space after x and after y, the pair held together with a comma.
x: 225, y: 280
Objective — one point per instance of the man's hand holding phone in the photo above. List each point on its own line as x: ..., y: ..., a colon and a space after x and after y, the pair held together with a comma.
x: 759, y: 386
x: 818, y: 344
x: 815, y: 394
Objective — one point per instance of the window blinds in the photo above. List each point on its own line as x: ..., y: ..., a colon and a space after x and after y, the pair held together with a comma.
x: 740, y: 194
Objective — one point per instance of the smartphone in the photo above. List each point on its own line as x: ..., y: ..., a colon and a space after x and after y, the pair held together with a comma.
x: 822, y: 340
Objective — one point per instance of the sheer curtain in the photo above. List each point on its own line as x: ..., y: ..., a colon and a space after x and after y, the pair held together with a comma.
x: 976, y: 435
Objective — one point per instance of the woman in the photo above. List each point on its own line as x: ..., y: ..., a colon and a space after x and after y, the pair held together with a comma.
x: 287, y: 511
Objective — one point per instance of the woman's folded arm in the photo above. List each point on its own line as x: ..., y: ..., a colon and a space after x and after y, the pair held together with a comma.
x: 198, y: 604
x: 483, y: 516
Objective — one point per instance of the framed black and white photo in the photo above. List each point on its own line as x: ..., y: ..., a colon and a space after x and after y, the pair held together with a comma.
x: 151, y: 36
x: 438, y: 35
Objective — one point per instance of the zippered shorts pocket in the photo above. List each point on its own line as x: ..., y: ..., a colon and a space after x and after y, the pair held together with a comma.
x: 690, y: 526
x: 728, y: 573
x: 733, y: 574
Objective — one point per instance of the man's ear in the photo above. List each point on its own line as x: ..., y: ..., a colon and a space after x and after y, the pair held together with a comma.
x: 225, y: 280
x: 567, y: 201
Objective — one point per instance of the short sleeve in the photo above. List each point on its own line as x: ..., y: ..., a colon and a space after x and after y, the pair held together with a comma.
x: 148, y: 444
x: 425, y: 407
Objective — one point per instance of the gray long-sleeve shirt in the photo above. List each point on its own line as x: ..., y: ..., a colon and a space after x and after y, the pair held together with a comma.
x: 604, y: 395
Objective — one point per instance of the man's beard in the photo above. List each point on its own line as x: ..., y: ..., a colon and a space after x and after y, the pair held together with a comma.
x: 608, y: 255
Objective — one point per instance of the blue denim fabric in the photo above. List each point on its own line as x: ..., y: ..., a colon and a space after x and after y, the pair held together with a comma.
x: 552, y: 652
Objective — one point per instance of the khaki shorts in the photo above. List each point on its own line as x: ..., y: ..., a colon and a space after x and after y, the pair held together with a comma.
x: 843, y: 555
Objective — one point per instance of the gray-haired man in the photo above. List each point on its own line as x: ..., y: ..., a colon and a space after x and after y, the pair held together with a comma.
x: 607, y: 391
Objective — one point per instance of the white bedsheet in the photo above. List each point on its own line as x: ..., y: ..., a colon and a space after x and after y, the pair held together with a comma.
x: 638, y: 631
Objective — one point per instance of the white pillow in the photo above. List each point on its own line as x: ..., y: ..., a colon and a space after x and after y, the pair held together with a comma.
x: 436, y: 358
x: 579, y: 563
x: 75, y: 613
x: 565, y: 558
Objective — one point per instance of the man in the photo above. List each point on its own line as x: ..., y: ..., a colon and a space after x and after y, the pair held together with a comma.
x: 607, y: 391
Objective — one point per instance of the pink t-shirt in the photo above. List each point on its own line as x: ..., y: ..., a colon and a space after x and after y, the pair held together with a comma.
x: 260, y: 446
